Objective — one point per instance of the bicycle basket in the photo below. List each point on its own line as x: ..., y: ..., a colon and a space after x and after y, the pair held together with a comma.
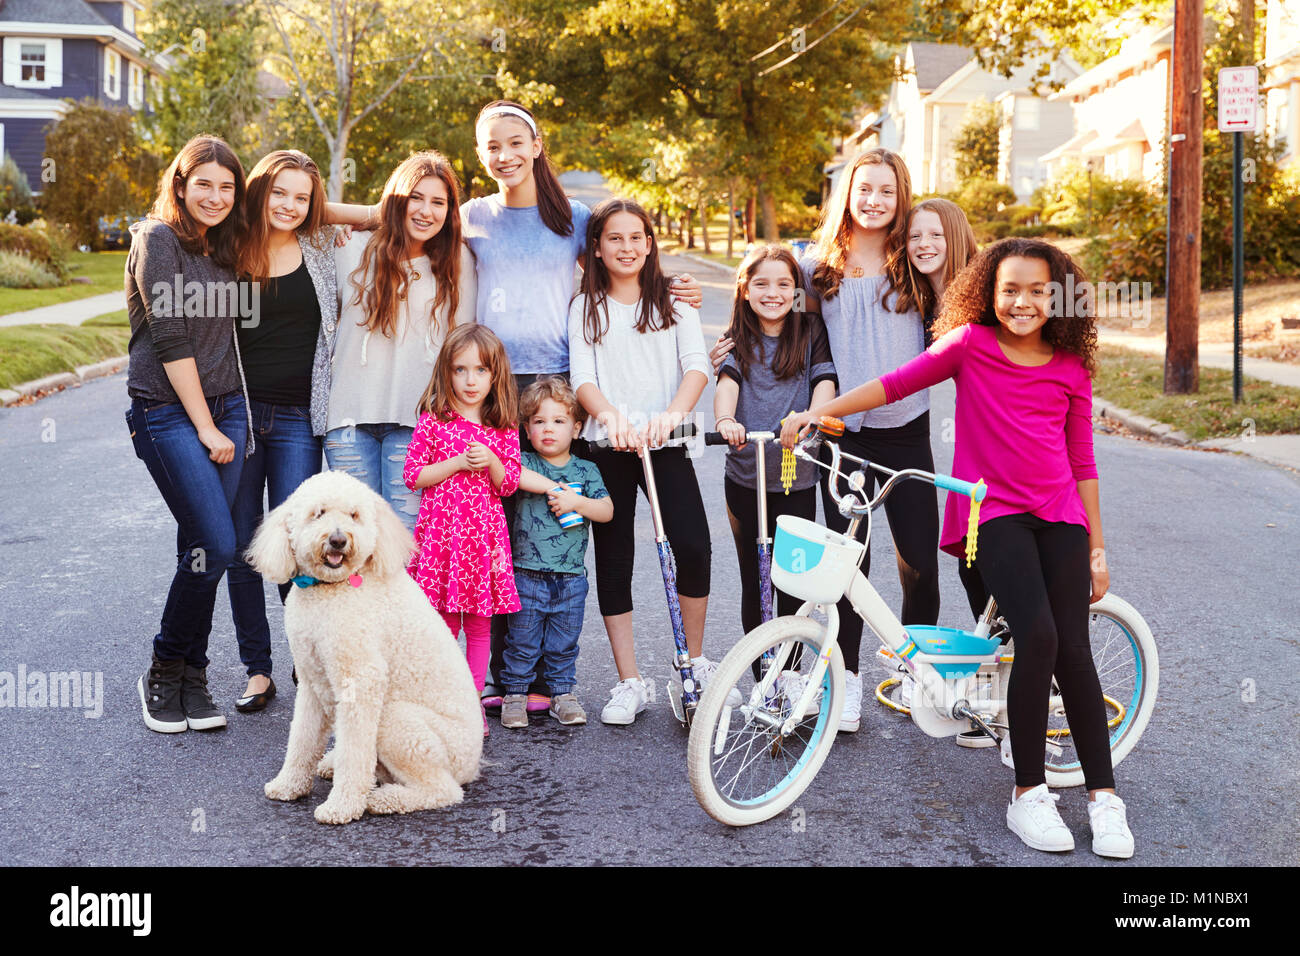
x: 813, y: 563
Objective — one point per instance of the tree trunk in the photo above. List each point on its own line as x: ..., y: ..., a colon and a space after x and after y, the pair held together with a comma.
x: 751, y: 206
x: 731, y: 219
x: 689, y: 216
x: 771, y: 232
x: 704, y: 224
x: 1183, y: 243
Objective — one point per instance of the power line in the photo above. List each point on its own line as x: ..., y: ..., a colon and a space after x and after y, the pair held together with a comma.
x: 799, y: 53
x: 783, y: 41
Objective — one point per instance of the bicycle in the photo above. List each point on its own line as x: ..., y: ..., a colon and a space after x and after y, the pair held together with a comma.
x: 748, y: 762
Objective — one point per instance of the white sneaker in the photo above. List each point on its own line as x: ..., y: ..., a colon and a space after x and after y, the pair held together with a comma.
x: 704, y: 670
x: 1110, y: 833
x: 627, y: 698
x: 852, y: 715
x: 905, y: 691
x: 1033, y: 817
x: 791, y: 684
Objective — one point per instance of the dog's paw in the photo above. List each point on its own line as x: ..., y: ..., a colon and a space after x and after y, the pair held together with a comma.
x: 288, y: 788
x: 325, y: 769
x: 337, y: 810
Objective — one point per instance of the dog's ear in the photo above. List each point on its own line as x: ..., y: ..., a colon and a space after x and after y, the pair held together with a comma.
x: 270, y: 553
x: 393, y: 541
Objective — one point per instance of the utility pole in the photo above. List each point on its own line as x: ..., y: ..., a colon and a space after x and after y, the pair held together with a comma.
x: 1183, y: 242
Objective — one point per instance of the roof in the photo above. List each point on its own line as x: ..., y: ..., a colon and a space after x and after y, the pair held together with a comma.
x: 71, y: 12
x: 1075, y: 144
x: 1142, y: 47
x: 935, y: 62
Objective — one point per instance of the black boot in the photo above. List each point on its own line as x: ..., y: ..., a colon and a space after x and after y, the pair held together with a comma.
x: 160, y: 696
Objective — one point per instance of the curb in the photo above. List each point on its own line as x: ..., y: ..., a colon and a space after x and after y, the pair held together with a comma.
x: 62, y: 380
x: 707, y: 263
x: 1140, y: 423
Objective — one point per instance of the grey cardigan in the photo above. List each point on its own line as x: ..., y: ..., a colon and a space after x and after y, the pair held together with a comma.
x: 319, y: 258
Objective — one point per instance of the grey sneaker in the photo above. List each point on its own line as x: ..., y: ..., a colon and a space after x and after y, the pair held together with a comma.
x: 514, y: 710
x: 566, y: 709
x: 160, y: 696
x: 200, y: 712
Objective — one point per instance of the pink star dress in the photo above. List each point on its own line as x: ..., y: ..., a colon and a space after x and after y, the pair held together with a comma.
x: 462, y: 561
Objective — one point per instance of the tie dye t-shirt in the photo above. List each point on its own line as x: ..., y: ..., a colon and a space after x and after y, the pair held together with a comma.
x: 538, y: 542
x: 526, y: 276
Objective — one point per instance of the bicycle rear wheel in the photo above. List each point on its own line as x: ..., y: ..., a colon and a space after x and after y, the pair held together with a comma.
x: 1128, y: 667
x: 743, y: 771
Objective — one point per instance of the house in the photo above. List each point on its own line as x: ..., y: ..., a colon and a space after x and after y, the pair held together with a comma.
x: 934, y: 85
x: 1120, y: 109
x: 1280, y: 76
x: 67, y: 49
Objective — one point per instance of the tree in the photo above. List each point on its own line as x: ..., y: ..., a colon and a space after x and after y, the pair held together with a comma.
x: 95, y: 167
x: 975, y: 146
x: 345, y: 58
x: 772, y: 89
x: 215, y: 48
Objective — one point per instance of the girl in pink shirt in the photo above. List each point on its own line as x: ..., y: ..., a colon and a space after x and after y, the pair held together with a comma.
x: 464, y: 457
x: 1017, y: 335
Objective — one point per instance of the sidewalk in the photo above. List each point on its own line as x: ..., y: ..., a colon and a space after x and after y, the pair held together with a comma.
x: 68, y: 313
x: 1210, y: 355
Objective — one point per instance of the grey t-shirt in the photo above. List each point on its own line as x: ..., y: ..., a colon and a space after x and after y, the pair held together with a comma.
x: 869, y: 339
x: 181, y: 305
x: 765, y: 399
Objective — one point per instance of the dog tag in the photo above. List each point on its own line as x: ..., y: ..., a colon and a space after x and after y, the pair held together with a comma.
x: 355, y: 580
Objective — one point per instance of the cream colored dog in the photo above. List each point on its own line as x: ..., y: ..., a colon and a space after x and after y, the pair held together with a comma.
x: 376, y: 664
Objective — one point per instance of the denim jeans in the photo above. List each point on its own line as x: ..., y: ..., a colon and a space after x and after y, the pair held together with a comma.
x: 287, y: 454
x: 545, y: 628
x: 375, y: 455
x: 199, y: 494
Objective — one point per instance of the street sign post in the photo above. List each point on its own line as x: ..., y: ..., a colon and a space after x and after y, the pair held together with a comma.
x: 1238, y: 110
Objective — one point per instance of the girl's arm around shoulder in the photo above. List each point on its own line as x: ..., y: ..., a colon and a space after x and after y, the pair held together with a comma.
x: 467, y: 307
x: 692, y: 354
x: 533, y: 482
x: 420, y: 471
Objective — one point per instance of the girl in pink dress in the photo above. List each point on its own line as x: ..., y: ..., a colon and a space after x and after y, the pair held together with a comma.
x: 464, y: 457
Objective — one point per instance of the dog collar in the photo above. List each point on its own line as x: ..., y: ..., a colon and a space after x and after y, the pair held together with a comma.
x: 306, y: 580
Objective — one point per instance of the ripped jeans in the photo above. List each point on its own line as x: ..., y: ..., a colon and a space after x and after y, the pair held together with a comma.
x: 375, y: 455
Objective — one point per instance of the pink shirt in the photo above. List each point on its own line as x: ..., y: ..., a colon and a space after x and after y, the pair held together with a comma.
x: 463, y: 547
x: 1026, y: 430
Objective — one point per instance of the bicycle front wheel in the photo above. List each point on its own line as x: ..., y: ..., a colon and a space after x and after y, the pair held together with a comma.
x: 1129, y: 671
x: 742, y: 768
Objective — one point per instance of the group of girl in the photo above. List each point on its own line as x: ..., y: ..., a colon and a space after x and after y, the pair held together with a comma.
x: 348, y: 349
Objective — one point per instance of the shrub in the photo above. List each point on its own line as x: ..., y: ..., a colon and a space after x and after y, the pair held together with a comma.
x: 986, y: 232
x: 984, y: 199
x: 1021, y: 215
x: 37, y: 245
x: 17, y: 271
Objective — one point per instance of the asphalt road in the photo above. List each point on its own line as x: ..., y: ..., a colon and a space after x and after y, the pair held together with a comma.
x: 1205, y: 545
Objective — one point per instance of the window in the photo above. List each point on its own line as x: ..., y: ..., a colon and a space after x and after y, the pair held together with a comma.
x: 1028, y: 112
x: 113, y: 74
x: 135, y: 87
x: 33, y: 62
x: 128, y: 18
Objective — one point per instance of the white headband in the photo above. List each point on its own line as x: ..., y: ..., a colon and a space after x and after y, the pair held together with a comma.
x: 512, y: 111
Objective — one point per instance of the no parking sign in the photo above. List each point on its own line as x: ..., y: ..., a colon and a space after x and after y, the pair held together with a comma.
x: 1238, y: 99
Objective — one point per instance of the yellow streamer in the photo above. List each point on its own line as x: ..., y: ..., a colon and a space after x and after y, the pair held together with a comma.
x: 788, y: 463
x: 973, y: 525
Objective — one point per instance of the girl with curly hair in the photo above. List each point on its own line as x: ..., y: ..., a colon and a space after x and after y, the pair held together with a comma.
x: 1017, y: 334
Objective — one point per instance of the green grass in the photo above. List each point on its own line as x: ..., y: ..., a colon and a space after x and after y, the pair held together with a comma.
x: 1135, y: 381
x: 104, y: 269
x: 111, y: 320
x: 33, y: 351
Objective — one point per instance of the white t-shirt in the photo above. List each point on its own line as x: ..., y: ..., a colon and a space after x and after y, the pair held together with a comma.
x: 376, y: 379
x: 638, y: 372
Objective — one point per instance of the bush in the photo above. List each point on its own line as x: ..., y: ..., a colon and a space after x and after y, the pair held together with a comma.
x: 984, y: 199
x: 15, y: 193
x: 37, y: 245
x: 986, y: 232
x: 17, y: 271
x: 1130, y: 241
x: 1021, y: 215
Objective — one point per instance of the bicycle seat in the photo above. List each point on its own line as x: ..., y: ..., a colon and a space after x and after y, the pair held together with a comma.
x: 939, y: 641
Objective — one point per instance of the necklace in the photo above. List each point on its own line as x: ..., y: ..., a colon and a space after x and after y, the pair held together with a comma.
x: 855, y: 272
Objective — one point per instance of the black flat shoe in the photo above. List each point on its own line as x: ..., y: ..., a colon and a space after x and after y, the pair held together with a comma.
x: 247, y: 705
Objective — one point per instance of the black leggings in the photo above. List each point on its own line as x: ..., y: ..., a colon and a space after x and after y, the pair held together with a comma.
x: 913, y: 512
x: 1038, y: 572
x: 683, y: 515
x: 742, y: 508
